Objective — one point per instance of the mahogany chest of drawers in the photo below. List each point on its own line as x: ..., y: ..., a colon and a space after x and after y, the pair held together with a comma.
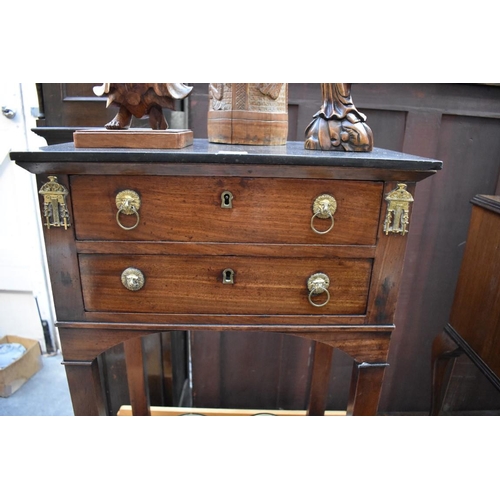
x: 212, y: 236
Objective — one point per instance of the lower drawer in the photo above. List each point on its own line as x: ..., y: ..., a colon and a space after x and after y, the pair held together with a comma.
x: 197, y: 285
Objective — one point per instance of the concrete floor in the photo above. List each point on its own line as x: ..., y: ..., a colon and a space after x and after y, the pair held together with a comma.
x: 44, y: 394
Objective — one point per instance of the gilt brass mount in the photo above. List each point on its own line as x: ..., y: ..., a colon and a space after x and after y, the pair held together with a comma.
x: 55, y: 210
x: 128, y: 202
x: 317, y: 284
x: 397, y: 218
x: 324, y: 207
x: 132, y: 279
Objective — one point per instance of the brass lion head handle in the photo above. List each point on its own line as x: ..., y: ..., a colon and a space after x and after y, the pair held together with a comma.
x: 318, y: 284
x: 128, y: 202
x: 324, y: 207
x: 132, y: 279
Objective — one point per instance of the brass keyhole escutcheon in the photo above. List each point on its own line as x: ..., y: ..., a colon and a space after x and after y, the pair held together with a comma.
x: 128, y: 202
x: 324, y: 207
x: 226, y: 199
x: 317, y: 284
x: 132, y: 279
x: 228, y: 277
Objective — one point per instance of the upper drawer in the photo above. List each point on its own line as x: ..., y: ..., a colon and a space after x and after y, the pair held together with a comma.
x: 188, y: 209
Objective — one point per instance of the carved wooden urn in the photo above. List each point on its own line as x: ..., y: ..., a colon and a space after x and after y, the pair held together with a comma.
x: 248, y: 113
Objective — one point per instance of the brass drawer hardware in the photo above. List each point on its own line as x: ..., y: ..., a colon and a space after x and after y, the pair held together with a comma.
x: 132, y: 279
x: 317, y: 284
x: 228, y: 277
x: 398, y: 210
x: 128, y: 202
x: 226, y: 199
x: 324, y: 207
x: 55, y: 210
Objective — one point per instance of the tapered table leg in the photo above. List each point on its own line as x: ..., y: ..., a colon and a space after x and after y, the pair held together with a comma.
x: 85, y: 388
x: 136, y: 378
x: 444, y: 353
x: 366, y: 386
x: 318, y: 394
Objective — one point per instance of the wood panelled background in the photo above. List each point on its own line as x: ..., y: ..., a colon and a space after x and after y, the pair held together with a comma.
x: 456, y: 123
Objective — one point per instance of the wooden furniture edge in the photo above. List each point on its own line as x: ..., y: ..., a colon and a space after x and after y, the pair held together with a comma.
x: 171, y: 411
x: 491, y: 203
x: 467, y: 349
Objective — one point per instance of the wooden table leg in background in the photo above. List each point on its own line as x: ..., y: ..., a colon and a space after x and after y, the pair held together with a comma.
x: 85, y: 388
x: 136, y: 377
x: 444, y: 353
x: 366, y: 386
x: 322, y: 364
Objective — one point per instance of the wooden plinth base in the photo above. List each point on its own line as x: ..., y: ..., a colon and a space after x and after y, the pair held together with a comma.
x: 133, y: 138
x: 168, y: 411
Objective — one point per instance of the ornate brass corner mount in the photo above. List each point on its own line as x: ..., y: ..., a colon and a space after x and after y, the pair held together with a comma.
x: 397, y: 218
x: 55, y: 210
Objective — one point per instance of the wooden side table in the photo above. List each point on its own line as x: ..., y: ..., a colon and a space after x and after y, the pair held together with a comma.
x: 217, y: 237
x: 474, y: 323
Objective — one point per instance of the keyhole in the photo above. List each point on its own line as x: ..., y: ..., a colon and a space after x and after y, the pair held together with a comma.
x: 227, y: 199
x: 228, y: 276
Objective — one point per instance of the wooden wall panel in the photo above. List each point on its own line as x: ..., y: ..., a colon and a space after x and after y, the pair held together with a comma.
x: 294, y: 373
x: 469, y: 390
x: 206, y: 369
x: 73, y: 105
x: 249, y: 364
x: 470, y: 151
x: 198, y: 110
x: 235, y: 369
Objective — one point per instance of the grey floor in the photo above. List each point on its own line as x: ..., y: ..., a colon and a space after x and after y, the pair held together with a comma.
x: 44, y: 394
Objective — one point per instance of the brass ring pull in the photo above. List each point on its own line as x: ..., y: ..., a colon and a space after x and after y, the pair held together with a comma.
x: 324, y: 207
x: 317, y: 284
x: 128, y: 202
x: 122, y: 210
x: 321, y: 232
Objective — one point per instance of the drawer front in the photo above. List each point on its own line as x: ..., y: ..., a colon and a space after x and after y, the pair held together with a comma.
x: 189, y: 210
x: 194, y: 285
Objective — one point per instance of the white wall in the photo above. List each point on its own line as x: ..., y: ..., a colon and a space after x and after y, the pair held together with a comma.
x: 23, y: 272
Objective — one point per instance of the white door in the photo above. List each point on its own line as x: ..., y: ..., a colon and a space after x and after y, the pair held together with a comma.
x: 25, y: 297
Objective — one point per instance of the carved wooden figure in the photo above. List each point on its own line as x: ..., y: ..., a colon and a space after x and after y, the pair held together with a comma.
x: 338, y: 125
x: 141, y: 99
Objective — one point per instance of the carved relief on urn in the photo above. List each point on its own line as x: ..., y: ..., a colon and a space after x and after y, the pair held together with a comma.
x: 248, y: 113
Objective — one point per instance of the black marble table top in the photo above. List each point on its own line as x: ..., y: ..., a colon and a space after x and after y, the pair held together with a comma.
x: 202, y: 151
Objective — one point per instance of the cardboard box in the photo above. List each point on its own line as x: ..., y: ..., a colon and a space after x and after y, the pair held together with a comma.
x: 13, y: 376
